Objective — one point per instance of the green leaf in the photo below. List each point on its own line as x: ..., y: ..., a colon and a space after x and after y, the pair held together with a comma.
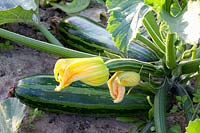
x: 18, y: 11
x: 175, y: 8
x: 156, y: 4
x: 186, y: 24
x: 72, y: 7
x: 175, y: 128
x: 125, y: 20
x: 193, y: 127
x: 11, y: 115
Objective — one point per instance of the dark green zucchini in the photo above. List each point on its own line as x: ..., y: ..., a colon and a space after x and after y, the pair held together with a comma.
x: 136, y: 51
x: 84, y: 34
x: 79, y: 98
x: 88, y: 36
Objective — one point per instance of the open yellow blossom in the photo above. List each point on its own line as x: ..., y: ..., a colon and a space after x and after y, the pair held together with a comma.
x: 91, y: 71
x: 119, y: 81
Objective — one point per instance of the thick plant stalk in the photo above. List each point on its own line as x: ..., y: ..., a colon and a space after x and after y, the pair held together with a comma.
x: 43, y: 46
x: 130, y: 64
x: 170, y: 51
x: 160, y: 108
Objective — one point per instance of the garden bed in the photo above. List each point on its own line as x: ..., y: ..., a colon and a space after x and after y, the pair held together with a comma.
x: 19, y: 61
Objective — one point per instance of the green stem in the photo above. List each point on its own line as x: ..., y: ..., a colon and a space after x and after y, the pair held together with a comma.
x: 195, y: 112
x: 152, y: 28
x: 150, y: 45
x: 188, y: 103
x: 170, y: 51
x: 43, y: 46
x: 47, y: 34
x: 147, y: 127
x: 194, y: 52
x: 190, y: 66
x: 160, y: 108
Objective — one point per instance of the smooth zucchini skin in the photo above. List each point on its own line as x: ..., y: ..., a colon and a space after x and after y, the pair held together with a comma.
x: 136, y: 51
x: 88, y: 36
x: 84, y: 34
x: 79, y: 98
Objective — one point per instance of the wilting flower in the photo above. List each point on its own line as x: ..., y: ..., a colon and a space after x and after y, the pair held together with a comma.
x: 119, y: 81
x: 91, y: 71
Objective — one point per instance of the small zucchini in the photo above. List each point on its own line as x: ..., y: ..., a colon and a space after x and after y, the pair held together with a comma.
x: 88, y: 36
x: 78, y: 98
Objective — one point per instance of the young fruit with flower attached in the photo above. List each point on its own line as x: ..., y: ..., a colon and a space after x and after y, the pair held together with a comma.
x: 119, y: 81
x: 91, y: 71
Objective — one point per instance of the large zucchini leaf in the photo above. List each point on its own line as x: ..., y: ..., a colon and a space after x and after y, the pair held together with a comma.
x: 18, y: 11
x: 11, y: 115
x: 72, y: 7
x: 125, y: 20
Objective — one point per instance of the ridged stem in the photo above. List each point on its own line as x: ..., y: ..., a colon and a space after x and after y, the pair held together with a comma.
x: 150, y: 45
x: 160, y: 108
x: 43, y: 46
x: 152, y: 28
x: 47, y: 34
x: 170, y: 51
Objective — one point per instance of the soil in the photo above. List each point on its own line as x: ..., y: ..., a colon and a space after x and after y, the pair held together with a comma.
x: 21, y: 61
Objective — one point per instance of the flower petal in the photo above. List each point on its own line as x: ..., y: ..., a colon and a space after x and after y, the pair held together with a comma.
x: 91, y: 71
x: 119, y: 81
x: 60, y: 66
x: 116, y: 90
x: 129, y: 78
x: 111, y: 85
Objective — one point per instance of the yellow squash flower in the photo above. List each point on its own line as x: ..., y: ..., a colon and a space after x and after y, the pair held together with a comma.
x: 119, y: 81
x: 91, y: 71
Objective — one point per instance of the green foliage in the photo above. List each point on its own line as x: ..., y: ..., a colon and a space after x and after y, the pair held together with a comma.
x: 196, y: 97
x: 72, y: 7
x: 175, y: 128
x: 174, y: 109
x: 11, y: 115
x: 171, y: 25
x: 16, y: 11
x: 193, y: 126
x: 34, y: 113
x: 12, y: 11
x: 181, y: 99
x: 5, y: 46
x: 156, y: 4
x: 185, y: 21
x: 125, y: 20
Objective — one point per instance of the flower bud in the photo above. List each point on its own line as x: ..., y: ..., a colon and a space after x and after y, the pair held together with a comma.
x: 119, y: 81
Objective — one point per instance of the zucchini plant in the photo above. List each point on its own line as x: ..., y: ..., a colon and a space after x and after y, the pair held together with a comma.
x: 152, y: 51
